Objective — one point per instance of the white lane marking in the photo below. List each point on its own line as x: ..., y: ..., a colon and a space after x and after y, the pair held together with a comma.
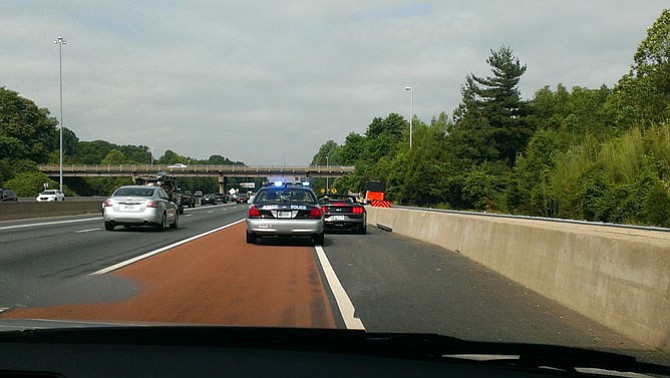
x: 343, y: 302
x: 50, y: 223
x: 160, y: 250
x: 88, y: 230
x: 188, y: 215
x: 74, y: 323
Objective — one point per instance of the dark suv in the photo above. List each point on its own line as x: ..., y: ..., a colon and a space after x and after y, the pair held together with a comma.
x: 7, y: 195
x: 208, y: 199
x: 187, y: 199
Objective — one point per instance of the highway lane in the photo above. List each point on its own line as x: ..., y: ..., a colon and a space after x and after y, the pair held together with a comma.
x: 399, y: 284
x: 215, y: 279
x: 46, y: 261
x: 394, y: 283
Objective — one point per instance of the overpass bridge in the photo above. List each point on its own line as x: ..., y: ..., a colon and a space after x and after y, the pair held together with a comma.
x: 222, y: 172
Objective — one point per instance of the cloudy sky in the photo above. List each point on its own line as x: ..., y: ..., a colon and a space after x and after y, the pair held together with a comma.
x: 268, y: 82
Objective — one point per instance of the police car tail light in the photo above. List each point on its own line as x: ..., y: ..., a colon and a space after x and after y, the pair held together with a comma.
x: 358, y: 210
x: 253, y: 212
x: 315, y: 213
x: 324, y: 209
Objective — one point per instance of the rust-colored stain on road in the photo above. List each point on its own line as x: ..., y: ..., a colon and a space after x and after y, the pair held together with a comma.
x: 216, y: 279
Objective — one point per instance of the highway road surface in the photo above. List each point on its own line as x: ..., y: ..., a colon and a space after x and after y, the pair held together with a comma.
x: 70, y: 268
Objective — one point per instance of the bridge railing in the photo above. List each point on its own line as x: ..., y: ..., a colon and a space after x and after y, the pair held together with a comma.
x: 193, y: 169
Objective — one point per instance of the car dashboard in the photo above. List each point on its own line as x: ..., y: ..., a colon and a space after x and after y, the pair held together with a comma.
x: 193, y: 351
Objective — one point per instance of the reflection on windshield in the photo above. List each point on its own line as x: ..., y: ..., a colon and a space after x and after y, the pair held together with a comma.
x: 284, y: 196
x: 134, y: 192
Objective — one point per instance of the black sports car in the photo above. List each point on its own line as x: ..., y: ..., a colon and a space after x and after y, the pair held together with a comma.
x: 343, y: 212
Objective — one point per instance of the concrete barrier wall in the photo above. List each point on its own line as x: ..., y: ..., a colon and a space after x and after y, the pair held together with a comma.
x: 617, y: 277
x: 26, y: 210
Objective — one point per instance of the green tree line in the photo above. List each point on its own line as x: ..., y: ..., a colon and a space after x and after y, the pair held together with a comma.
x: 29, y: 136
x: 600, y: 154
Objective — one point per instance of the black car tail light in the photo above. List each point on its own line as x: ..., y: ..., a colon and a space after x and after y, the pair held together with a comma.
x: 358, y: 210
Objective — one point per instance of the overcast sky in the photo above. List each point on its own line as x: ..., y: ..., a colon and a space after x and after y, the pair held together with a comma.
x: 268, y: 82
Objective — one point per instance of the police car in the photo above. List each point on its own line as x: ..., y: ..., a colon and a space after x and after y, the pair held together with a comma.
x: 285, y: 210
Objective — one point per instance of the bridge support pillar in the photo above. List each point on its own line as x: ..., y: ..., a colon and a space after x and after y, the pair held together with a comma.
x: 223, y: 183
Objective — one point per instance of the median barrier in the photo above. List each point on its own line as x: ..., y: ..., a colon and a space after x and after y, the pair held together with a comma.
x: 618, y: 277
x: 26, y: 210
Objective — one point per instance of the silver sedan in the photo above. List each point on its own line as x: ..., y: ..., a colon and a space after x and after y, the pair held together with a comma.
x: 136, y: 205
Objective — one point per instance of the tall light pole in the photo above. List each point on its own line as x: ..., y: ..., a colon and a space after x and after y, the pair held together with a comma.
x: 327, y: 181
x: 60, y: 42
x: 411, y: 112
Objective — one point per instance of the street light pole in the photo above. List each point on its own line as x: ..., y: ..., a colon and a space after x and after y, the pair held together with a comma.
x: 411, y: 112
x: 327, y: 181
x: 60, y: 42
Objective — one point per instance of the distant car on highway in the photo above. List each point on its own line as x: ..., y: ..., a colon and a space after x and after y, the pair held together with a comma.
x: 285, y: 211
x: 50, y: 195
x: 187, y: 199
x: 222, y: 197
x: 343, y: 212
x: 241, y: 197
x: 208, y: 199
x: 7, y: 195
x: 178, y: 165
x: 135, y: 205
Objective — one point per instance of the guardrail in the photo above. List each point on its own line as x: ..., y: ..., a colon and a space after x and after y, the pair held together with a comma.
x: 535, y: 218
x: 28, y: 210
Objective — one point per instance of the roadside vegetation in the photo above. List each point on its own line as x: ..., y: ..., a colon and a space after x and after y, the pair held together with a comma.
x: 29, y: 136
x: 599, y: 154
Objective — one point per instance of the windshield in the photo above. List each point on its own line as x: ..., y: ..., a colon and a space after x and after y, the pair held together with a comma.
x: 489, y: 170
x: 134, y: 192
x: 342, y: 200
x: 288, y: 195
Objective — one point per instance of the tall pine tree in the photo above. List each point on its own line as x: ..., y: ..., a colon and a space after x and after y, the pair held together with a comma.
x: 492, y: 121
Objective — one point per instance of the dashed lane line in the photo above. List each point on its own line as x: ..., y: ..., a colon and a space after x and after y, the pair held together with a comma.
x: 49, y: 223
x: 88, y: 230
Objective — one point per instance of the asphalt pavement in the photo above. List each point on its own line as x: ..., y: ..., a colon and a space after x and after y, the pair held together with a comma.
x: 48, y: 261
x: 399, y: 284
x: 395, y: 284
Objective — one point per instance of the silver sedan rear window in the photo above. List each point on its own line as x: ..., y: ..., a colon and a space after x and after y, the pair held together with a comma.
x: 134, y: 192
